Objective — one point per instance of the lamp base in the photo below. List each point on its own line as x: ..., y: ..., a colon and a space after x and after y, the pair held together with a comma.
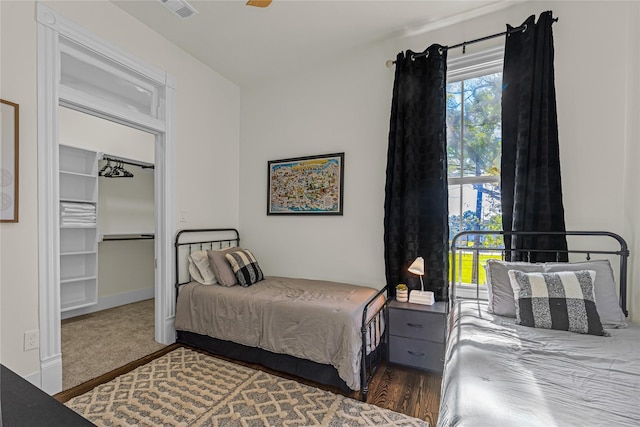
x: 422, y: 297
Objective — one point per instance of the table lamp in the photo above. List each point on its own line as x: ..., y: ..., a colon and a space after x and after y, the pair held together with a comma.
x: 421, y: 296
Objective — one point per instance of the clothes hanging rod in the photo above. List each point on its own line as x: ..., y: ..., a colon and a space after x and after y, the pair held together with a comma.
x: 463, y: 45
x: 128, y: 162
x: 131, y: 236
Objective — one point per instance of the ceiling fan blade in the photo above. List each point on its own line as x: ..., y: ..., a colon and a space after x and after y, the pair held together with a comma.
x: 259, y: 3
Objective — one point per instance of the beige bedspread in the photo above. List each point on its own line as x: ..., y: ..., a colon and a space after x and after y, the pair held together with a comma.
x: 309, y: 319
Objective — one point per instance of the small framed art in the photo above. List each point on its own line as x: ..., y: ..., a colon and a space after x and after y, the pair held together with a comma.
x: 9, y: 137
x: 306, y: 185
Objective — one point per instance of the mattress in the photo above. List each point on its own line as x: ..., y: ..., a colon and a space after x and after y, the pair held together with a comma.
x: 310, y: 319
x: 498, y: 373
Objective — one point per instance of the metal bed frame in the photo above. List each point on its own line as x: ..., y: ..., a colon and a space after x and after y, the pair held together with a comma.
x: 622, y: 253
x: 324, y: 374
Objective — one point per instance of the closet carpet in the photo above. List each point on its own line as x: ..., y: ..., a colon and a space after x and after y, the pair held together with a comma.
x: 96, y: 343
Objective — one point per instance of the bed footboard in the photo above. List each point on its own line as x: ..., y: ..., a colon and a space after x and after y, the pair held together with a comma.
x: 374, y: 339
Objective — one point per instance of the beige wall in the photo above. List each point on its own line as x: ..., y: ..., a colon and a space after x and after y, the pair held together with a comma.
x: 345, y: 106
x: 207, y: 132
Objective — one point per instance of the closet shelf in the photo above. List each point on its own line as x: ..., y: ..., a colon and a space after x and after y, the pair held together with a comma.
x: 72, y: 279
x: 68, y: 199
x: 126, y: 236
x: 74, y: 305
x: 78, y: 174
x: 78, y: 256
x: 77, y: 253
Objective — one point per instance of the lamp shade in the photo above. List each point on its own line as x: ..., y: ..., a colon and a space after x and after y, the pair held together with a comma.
x: 417, y: 267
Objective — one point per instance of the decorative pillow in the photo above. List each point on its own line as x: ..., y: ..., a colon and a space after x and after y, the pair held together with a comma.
x: 606, y: 295
x: 562, y: 300
x: 245, y: 267
x: 501, y: 301
x: 220, y: 266
x: 200, y: 269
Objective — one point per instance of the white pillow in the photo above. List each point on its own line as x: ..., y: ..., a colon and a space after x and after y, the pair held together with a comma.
x: 200, y: 269
x: 501, y: 298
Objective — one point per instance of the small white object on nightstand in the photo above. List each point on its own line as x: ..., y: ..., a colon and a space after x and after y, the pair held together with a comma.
x: 422, y: 297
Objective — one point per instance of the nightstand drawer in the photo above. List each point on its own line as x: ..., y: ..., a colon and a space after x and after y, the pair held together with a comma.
x: 416, y: 353
x: 415, y: 324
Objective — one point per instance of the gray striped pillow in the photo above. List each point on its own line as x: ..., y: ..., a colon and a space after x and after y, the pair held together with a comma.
x: 245, y: 267
x: 563, y: 300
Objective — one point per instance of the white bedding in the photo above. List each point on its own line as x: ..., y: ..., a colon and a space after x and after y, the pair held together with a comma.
x: 501, y: 374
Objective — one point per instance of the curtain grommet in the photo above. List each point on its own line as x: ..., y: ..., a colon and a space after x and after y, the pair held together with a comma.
x: 525, y: 28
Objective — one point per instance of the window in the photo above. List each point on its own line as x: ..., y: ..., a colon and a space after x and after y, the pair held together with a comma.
x: 474, y: 132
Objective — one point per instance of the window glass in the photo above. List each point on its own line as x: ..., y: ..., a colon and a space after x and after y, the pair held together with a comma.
x: 109, y: 81
x: 474, y: 131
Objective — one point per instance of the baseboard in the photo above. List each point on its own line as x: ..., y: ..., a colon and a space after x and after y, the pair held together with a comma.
x: 34, y: 378
x: 51, y: 375
x: 111, y: 301
x: 170, y: 330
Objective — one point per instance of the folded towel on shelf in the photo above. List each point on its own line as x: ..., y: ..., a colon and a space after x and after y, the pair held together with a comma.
x: 78, y: 206
x: 66, y: 214
x: 66, y: 221
x: 73, y: 210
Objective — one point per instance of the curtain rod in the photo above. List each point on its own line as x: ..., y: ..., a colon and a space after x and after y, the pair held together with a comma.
x: 128, y: 162
x: 463, y: 45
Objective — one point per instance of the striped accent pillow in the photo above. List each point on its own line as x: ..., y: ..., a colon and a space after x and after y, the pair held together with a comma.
x: 563, y: 300
x: 245, y: 267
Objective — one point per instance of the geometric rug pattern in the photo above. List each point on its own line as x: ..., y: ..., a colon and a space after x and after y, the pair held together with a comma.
x: 188, y: 388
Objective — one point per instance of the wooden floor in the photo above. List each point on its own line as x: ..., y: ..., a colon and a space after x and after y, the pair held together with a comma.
x: 408, y: 391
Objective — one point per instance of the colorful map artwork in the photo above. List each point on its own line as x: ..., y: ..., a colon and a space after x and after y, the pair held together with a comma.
x: 305, y: 186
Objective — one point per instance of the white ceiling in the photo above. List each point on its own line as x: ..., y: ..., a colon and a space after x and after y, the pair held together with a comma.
x: 248, y: 44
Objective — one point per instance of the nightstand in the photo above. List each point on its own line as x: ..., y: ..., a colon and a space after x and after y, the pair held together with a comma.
x: 417, y: 335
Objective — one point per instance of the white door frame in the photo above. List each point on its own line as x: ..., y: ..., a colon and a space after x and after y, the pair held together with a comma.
x: 52, y: 25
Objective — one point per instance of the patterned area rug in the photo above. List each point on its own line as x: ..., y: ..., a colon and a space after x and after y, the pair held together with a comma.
x: 187, y: 388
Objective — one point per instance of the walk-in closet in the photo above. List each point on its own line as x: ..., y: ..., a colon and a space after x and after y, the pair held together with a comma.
x: 107, y: 249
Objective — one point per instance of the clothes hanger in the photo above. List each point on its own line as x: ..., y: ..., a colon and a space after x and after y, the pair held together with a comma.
x: 106, y: 169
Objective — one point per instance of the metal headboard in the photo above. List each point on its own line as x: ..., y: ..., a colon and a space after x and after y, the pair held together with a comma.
x: 622, y: 253
x: 201, y: 243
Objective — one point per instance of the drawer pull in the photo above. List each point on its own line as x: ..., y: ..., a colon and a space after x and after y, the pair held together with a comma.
x: 415, y: 325
x: 413, y: 353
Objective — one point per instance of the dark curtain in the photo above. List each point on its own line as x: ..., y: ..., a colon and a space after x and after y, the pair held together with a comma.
x: 416, y: 197
x: 530, y: 178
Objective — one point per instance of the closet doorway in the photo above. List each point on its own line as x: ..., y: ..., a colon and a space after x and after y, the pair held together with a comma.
x: 79, y: 70
x: 107, y: 245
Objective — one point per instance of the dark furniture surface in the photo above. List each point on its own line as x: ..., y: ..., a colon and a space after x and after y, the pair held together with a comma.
x: 417, y: 335
x: 24, y: 405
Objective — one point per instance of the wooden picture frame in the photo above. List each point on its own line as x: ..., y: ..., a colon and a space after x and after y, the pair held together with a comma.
x: 9, y: 144
x: 311, y: 185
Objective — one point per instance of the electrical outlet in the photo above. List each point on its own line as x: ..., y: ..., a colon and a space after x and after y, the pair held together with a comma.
x: 31, y: 340
x: 183, y: 215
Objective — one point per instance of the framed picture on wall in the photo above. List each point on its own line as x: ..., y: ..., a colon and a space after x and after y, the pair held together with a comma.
x: 306, y: 185
x: 9, y: 137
